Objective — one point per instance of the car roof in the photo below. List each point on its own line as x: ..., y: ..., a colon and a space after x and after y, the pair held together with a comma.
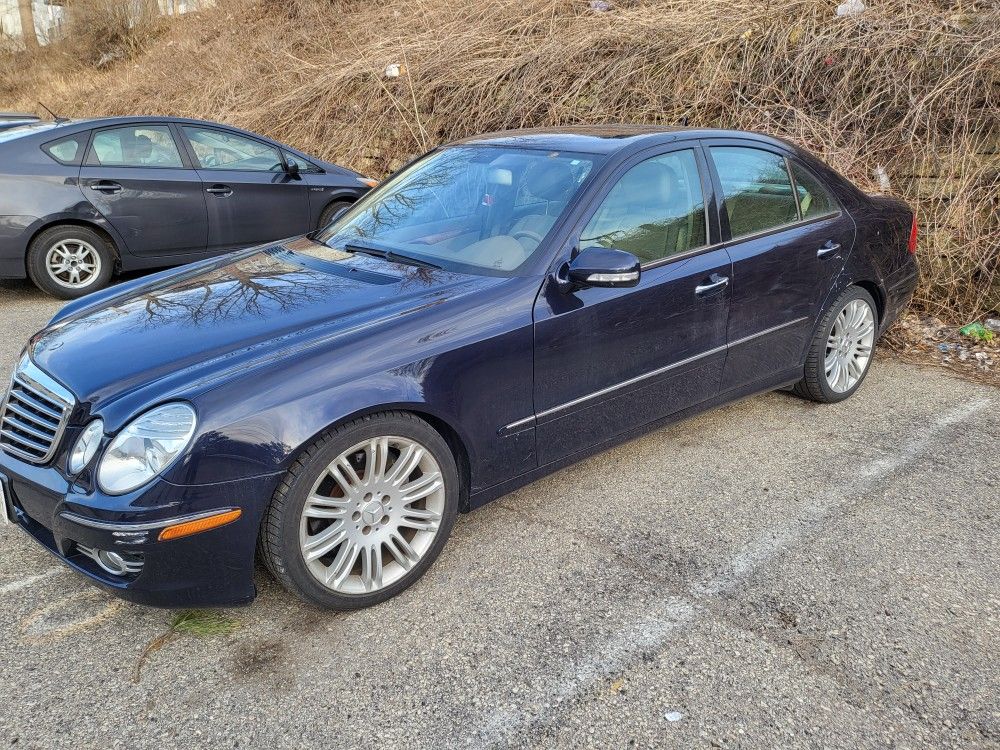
x: 607, y: 139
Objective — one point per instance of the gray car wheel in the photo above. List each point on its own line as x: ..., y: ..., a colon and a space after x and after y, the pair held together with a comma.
x: 70, y: 261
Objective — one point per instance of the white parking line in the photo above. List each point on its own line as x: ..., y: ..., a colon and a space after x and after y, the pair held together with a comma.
x: 30, y: 580
x: 508, y: 728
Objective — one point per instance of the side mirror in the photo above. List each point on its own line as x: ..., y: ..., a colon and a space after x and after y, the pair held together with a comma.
x: 292, y: 168
x: 604, y: 267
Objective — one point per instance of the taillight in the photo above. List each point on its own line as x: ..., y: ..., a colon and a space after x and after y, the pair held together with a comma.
x: 912, y: 246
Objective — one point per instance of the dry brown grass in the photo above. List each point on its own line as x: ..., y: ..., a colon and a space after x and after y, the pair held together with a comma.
x: 912, y: 86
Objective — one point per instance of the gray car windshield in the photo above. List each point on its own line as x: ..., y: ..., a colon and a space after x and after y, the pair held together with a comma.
x: 478, y: 209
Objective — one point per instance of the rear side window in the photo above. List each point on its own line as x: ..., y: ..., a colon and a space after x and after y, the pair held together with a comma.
x: 757, y: 189
x: 134, y: 146
x: 814, y: 199
x: 66, y: 150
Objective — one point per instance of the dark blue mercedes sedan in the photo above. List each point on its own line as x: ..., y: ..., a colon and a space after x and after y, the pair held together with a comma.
x: 500, y: 308
x: 81, y: 200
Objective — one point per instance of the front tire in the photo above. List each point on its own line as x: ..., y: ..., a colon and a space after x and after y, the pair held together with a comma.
x: 330, y: 211
x: 70, y: 261
x: 842, y: 348
x: 363, y: 512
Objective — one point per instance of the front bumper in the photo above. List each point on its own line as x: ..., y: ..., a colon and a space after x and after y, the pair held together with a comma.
x: 209, y: 569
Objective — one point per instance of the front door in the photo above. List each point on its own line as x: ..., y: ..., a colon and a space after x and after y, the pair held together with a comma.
x: 135, y: 176
x: 251, y: 197
x: 608, y: 360
x: 789, y: 241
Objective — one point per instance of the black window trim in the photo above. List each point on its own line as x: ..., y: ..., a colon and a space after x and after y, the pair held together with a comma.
x: 158, y: 123
x: 708, y: 145
x: 83, y: 136
x: 789, y: 161
x: 196, y: 162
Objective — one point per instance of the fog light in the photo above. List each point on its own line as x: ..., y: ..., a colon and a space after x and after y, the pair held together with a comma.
x: 117, y: 563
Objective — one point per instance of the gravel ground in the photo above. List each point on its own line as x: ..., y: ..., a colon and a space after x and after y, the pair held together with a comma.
x: 773, y: 574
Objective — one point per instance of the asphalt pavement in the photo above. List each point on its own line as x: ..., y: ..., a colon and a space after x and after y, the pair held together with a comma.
x: 775, y: 573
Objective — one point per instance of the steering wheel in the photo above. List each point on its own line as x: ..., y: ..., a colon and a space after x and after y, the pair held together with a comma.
x: 212, y: 160
x: 528, y: 234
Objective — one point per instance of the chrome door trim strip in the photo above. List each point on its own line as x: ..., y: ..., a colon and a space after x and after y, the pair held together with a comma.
x: 531, y: 421
x: 148, y: 526
x: 766, y: 331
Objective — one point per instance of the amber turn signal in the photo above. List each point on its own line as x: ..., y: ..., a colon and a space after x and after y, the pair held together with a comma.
x: 202, y: 524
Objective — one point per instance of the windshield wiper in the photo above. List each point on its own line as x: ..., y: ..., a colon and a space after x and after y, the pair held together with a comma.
x: 390, y: 255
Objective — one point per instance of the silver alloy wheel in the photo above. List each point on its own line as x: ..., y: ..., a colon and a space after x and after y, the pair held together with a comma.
x: 849, y: 346
x: 372, y: 515
x: 74, y: 264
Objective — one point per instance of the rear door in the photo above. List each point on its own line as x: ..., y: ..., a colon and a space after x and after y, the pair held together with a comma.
x: 788, y: 240
x: 141, y: 182
x: 251, y: 197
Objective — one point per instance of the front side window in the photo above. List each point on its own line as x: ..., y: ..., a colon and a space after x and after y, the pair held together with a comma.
x: 757, y: 189
x: 814, y: 199
x: 472, y: 209
x: 66, y: 150
x: 134, y: 146
x: 303, y: 165
x: 217, y: 149
x: 657, y: 209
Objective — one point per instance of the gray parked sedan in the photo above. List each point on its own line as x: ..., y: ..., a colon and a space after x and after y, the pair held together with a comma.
x: 81, y: 200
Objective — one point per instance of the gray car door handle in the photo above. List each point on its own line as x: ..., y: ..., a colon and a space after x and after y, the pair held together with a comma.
x: 106, y: 187
x: 714, y: 282
x: 828, y: 249
x: 224, y: 190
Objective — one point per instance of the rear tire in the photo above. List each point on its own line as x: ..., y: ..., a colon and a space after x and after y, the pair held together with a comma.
x: 69, y: 261
x: 363, y: 512
x: 842, y: 348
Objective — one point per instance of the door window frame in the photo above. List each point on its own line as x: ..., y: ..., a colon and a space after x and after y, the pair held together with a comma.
x: 197, y: 162
x: 787, y: 159
x: 181, y: 152
x: 598, y: 196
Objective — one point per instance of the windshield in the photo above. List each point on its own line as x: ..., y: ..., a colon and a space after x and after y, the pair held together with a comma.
x: 479, y: 209
x: 9, y: 134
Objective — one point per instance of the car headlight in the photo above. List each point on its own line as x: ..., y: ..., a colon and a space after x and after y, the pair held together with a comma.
x: 86, y: 446
x: 145, y: 447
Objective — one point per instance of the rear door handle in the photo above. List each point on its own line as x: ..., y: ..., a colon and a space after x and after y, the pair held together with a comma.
x: 222, y: 190
x: 714, y: 282
x: 106, y: 187
x: 828, y: 249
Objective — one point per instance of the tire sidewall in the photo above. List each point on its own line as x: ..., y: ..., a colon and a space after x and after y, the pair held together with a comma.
x: 300, y: 487
x: 823, y: 334
x: 40, y: 246
x: 330, y: 210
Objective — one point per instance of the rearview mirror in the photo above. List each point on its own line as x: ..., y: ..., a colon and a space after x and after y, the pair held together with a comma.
x: 292, y: 168
x: 604, y: 267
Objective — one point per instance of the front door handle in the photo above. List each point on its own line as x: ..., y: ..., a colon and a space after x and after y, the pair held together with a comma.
x: 105, y: 186
x: 828, y: 249
x: 714, y: 282
x: 223, y: 191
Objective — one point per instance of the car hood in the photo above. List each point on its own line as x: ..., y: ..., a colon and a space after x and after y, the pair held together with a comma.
x: 192, y: 326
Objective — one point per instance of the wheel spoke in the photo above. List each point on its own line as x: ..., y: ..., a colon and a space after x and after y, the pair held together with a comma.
x: 318, y: 506
x: 421, y: 487
x: 371, y: 568
x: 401, y: 551
x: 405, y: 464
x: 377, y: 459
x: 344, y: 475
x: 322, y: 543
x: 420, y: 518
x: 343, y: 563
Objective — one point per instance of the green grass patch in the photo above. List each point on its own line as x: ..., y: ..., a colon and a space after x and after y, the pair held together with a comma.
x: 203, y: 623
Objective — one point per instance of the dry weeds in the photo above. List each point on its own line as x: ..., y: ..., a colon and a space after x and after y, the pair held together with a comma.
x: 913, y: 87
